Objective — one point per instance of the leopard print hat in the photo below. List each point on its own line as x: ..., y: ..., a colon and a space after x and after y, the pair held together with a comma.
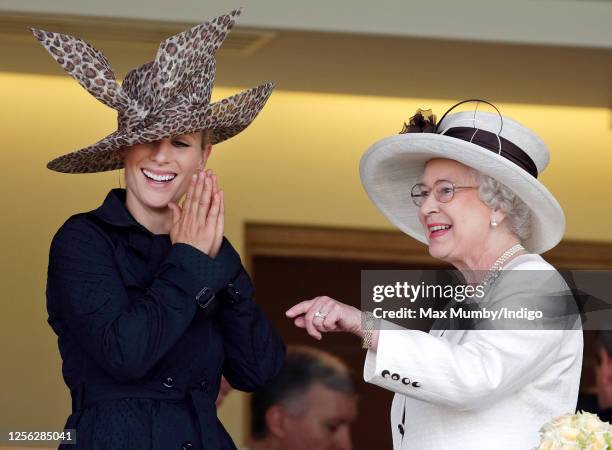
x: 165, y: 97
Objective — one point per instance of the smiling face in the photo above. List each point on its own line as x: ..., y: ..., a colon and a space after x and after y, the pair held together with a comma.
x: 458, y: 230
x: 160, y: 172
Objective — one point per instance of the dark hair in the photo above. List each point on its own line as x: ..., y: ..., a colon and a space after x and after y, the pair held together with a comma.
x: 303, y: 367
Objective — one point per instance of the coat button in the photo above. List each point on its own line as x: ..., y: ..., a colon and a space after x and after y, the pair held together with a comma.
x: 168, y: 382
x: 203, y: 385
x: 233, y: 293
x: 204, y: 297
x: 400, y: 427
x: 187, y: 446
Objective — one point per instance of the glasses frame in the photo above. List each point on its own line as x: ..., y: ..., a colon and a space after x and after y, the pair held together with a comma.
x: 421, y: 198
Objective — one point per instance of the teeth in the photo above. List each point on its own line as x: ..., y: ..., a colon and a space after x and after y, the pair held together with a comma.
x: 158, y: 177
x: 439, y: 227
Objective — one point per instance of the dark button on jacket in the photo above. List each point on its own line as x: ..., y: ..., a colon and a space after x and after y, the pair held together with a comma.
x: 136, y: 342
x: 233, y: 293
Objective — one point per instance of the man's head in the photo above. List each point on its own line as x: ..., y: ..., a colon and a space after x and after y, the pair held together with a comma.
x: 309, y: 405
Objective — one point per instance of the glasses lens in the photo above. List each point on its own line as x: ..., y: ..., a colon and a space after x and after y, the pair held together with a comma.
x: 419, y: 193
x: 444, y: 191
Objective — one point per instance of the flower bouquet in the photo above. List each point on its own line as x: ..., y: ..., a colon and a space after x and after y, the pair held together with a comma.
x: 582, y: 431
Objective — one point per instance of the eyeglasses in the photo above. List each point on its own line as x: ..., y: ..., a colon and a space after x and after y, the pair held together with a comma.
x: 443, y: 191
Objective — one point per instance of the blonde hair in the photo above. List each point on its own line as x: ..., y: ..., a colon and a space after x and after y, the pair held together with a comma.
x: 207, y: 137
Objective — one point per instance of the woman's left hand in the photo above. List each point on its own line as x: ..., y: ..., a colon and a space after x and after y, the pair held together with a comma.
x: 324, y: 314
x: 216, y: 246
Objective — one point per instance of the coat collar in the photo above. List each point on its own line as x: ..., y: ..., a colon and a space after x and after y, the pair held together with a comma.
x: 114, y: 212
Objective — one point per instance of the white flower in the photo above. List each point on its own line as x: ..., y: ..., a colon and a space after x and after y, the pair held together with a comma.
x: 597, y: 442
x: 583, y: 431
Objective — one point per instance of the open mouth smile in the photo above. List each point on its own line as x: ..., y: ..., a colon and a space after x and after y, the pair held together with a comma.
x: 156, y: 178
x: 438, y: 229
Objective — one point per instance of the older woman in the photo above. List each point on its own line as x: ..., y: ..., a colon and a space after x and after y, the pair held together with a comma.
x: 477, y: 204
x: 150, y: 303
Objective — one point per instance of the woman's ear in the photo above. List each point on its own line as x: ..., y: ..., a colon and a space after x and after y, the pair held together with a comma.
x: 497, y: 217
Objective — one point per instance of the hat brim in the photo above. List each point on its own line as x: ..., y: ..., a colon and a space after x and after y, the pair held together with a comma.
x: 391, y: 166
x: 225, y: 118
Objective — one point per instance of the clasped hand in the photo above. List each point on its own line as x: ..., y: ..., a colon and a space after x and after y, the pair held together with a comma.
x: 199, y: 220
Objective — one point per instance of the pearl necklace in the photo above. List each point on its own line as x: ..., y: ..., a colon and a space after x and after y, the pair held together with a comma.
x: 495, y: 268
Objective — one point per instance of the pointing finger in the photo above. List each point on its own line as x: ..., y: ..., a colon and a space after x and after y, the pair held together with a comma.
x: 298, y: 309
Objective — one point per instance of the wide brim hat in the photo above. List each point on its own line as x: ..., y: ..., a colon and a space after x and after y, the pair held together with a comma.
x: 166, y: 97
x: 490, y: 143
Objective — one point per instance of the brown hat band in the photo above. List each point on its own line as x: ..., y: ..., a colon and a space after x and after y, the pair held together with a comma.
x: 496, y: 144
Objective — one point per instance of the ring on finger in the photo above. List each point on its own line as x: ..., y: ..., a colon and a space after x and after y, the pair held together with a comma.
x: 320, y: 314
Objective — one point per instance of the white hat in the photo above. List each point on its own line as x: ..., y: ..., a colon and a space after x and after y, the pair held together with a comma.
x: 494, y: 145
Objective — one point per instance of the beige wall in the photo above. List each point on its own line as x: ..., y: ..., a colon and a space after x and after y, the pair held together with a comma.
x: 297, y: 164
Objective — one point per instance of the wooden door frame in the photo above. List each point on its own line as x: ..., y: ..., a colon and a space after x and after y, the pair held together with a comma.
x: 361, y: 244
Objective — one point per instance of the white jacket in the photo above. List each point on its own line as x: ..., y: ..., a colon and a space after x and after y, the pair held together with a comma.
x: 476, y: 389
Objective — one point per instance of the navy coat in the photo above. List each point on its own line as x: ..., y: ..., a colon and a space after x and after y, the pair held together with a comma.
x: 145, y: 330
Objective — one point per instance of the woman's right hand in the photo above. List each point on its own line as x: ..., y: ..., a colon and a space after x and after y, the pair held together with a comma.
x: 324, y: 314
x: 199, y: 221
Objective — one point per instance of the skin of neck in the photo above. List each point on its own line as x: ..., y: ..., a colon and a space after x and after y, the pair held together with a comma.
x: 475, y: 263
x: 156, y: 220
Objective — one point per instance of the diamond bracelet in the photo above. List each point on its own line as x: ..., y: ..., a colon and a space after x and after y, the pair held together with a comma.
x: 367, y: 322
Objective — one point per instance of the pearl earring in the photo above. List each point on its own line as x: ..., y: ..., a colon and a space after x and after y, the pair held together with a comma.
x: 493, y: 222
